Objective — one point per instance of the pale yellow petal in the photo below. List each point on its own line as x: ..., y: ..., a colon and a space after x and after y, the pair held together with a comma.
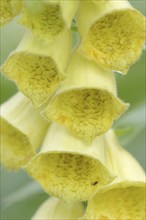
x: 47, y: 19
x: 69, y: 169
x: 86, y: 103
x: 118, y: 202
x: 38, y: 67
x: 125, y: 197
x: 8, y: 10
x: 112, y: 33
x: 22, y: 131
x: 54, y: 208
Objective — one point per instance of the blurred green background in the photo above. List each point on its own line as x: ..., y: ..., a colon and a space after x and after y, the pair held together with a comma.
x: 20, y: 195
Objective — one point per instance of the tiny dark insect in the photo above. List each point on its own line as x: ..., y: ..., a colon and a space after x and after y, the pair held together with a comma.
x: 93, y: 184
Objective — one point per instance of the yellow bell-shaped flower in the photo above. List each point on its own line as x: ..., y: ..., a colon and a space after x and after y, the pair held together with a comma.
x: 47, y: 18
x: 112, y: 33
x: 125, y: 197
x: 37, y: 67
x: 86, y: 102
x: 69, y: 169
x: 8, y: 10
x: 54, y: 208
x: 22, y: 131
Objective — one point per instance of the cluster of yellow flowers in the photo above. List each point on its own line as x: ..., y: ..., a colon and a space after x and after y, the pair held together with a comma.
x: 67, y: 104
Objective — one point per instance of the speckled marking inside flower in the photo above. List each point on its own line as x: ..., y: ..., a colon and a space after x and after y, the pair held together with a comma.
x: 120, y: 203
x: 45, y: 22
x: 16, y: 149
x: 36, y: 76
x: 8, y: 10
x: 87, y: 113
x: 116, y: 40
x: 68, y: 176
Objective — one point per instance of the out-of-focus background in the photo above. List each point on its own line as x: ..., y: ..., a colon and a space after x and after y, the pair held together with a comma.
x: 20, y: 194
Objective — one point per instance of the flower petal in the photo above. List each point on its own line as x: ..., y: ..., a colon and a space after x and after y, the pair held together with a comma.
x: 86, y: 103
x: 37, y: 67
x: 54, y: 208
x: 124, y: 198
x: 9, y: 9
x: 47, y: 19
x: 113, y: 33
x: 69, y: 169
x: 22, y: 131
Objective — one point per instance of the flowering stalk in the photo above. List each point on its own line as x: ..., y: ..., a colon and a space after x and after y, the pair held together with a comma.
x: 38, y: 67
x: 86, y: 102
x: 47, y: 18
x: 69, y: 169
x: 22, y: 131
x: 124, y: 198
x: 112, y: 33
x: 9, y: 9
x: 78, y: 161
x: 54, y: 208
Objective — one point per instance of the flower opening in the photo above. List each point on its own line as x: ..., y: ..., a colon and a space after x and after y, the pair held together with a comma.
x: 19, y: 137
x: 69, y: 169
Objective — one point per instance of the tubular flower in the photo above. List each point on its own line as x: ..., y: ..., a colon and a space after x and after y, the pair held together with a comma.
x: 69, y: 169
x: 9, y: 9
x: 125, y: 197
x: 86, y: 103
x: 48, y: 18
x: 112, y: 33
x: 54, y: 208
x: 22, y: 131
x: 37, y: 67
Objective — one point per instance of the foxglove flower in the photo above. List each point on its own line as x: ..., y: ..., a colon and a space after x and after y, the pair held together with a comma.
x: 22, y: 131
x: 69, y: 169
x: 112, y: 33
x: 54, y: 208
x: 86, y: 103
x: 9, y: 9
x: 37, y: 67
x: 125, y: 197
x: 47, y: 18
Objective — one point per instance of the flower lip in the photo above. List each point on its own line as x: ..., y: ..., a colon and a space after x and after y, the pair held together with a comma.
x: 19, y: 137
x: 68, y: 168
x: 47, y: 19
x: 86, y: 102
x: 124, y: 197
x: 14, y: 157
x: 64, y: 174
x: 37, y: 76
x: 38, y: 67
x: 113, y: 39
x: 86, y: 112
x: 41, y: 20
x: 9, y: 9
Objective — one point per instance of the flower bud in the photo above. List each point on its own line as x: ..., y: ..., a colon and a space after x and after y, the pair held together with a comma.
x: 112, y: 33
x: 37, y: 67
x: 9, y: 9
x: 48, y: 18
x: 125, y: 197
x: 54, y: 208
x: 68, y: 168
x: 86, y: 102
x: 22, y: 131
